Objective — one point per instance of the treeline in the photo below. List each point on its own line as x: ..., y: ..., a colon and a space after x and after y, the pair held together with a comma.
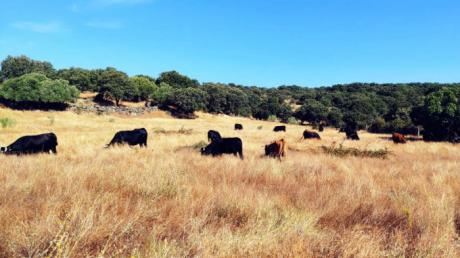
x: 379, y: 108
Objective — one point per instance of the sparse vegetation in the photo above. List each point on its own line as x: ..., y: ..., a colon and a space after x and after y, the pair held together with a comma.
x: 342, y: 151
x: 168, y: 200
x: 7, y: 122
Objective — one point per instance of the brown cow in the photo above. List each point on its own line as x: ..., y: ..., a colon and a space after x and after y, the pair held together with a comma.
x: 398, y: 138
x: 276, y: 149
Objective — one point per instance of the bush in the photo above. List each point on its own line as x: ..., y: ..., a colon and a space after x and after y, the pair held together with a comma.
x: 292, y: 120
x: 116, y: 84
x: 145, y: 87
x: 272, y: 118
x: 188, y: 100
x: 37, y: 87
x: 440, y: 115
x: 7, y: 122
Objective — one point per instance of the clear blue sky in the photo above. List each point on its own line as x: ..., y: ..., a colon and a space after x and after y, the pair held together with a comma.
x: 250, y: 42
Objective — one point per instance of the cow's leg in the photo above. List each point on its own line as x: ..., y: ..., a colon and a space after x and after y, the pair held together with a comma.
x: 54, y: 150
x: 241, y: 154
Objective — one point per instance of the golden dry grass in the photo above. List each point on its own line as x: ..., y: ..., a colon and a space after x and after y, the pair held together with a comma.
x: 169, y: 201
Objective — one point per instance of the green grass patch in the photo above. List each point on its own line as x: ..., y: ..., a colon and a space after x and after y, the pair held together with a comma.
x: 6, y: 122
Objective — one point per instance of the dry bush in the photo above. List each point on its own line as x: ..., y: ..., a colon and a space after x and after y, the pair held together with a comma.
x: 169, y: 201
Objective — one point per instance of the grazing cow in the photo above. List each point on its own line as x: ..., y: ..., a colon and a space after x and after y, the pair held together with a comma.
x: 279, y: 128
x: 132, y: 138
x: 352, y: 135
x: 398, y: 138
x: 32, y: 144
x: 224, y: 146
x: 310, y: 135
x: 321, y: 128
x: 276, y: 149
x: 214, y: 136
x: 238, y: 127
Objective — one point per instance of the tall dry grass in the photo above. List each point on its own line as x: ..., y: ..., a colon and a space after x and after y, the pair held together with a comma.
x: 169, y: 201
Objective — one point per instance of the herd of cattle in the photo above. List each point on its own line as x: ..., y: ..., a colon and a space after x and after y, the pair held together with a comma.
x: 218, y: 145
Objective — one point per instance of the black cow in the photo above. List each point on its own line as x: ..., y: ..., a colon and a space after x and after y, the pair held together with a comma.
x: 214, y: 136
x: 134, y: 137
x: 279, y: 128
x: 310, y: 135
x: 238, y: 127
x: 32, y: 144
x: 352, y: 135
x: 224, y: 146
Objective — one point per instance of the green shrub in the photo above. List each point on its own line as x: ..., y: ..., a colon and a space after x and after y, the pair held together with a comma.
x: 51, y: 120
x: 292, y: 120
x: 7, y: 122
x: 37, y: 87
x: 272, y: 118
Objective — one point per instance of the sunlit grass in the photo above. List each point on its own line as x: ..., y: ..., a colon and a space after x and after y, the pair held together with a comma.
x: 169, y: 201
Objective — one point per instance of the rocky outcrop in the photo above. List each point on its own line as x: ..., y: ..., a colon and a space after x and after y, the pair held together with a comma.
x: 100, y: 110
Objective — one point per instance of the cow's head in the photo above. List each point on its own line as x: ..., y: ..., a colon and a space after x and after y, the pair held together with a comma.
x: 3, y: 149
x: 267, y: 150
x: 206, y: 150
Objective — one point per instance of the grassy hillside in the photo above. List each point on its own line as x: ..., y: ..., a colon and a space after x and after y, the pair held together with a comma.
x: 169, y: 201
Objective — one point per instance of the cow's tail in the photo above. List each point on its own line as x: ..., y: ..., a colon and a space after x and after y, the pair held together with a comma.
x: 241, y: 155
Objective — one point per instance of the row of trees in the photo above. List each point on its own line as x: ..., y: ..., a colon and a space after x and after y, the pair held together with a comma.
x: 379, y: 108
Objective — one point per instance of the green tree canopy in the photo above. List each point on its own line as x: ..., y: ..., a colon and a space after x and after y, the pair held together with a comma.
x: 313, y: 112
x: 144, y: 86
x: 162, y: 94
x: 38, y: 88
x: 440, y: 115
x: 80, y: 78
x: 116, y: 84
x: 177, y: 80
x: 13, y: 67
x: 188, y: 100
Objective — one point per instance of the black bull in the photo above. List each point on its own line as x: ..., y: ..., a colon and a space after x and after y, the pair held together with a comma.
x: 279, y: 128
x: 224, y: 146
x: 132, y: 138
x: 310, y: 135
x: 32, y: 144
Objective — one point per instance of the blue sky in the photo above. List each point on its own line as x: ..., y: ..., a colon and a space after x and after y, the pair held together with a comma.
x: 250, y: 42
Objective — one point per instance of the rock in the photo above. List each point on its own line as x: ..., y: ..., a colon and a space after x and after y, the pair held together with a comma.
x: 100, y: 110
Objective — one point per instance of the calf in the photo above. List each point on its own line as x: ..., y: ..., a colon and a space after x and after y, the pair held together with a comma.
x: 132, y: 138
x: 32, y: 144
x: 279, y: 128
x: 398, y: 138
x: 310, y: 135
x: 224, y: 146
x: 276, y: 149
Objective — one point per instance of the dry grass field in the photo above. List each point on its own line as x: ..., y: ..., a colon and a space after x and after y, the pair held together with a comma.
x: 169, y: 201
